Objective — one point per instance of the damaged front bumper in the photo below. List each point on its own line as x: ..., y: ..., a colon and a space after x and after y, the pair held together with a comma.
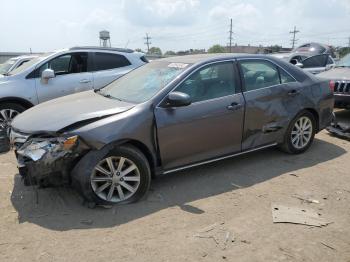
x: 47, y: 161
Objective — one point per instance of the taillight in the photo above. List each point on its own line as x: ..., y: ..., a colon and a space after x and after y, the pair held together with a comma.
x: 331, y: 86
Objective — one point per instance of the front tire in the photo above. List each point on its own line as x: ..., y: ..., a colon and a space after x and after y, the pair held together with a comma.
x: 300, y: 133
x: 8, y: 111
x: 116, y: 175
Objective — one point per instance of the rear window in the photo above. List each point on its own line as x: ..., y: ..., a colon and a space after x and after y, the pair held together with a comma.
x: 105, y: 61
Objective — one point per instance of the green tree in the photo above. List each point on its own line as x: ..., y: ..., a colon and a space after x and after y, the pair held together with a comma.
x: 343, y: 51
x: 217, y: 49
x: 169, y: 53
x: 155, y: 51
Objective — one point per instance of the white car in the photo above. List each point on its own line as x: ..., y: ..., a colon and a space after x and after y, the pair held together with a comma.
x: 62, y: 73
x: 15, y: 62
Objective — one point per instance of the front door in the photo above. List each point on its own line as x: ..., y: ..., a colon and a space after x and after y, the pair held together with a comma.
x: 211, y: 126
x: 71, y: 76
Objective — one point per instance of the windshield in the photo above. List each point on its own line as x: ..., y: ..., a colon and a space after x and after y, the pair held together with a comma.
x: 4, y: 68
x: 144, y: 82
x: 344, y: 62
x: 29, y: 64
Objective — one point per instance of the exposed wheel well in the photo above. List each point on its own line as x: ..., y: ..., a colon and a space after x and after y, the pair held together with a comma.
x: 315, y: 114
x: 15, y: 100
x: 144, y: 149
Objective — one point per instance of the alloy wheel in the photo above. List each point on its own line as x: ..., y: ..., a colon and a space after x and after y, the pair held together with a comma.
x: 302, y: 132
x: 6, y: 117
x: 115, y: 179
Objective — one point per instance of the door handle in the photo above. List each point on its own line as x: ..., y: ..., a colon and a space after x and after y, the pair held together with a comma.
x: 234, y: 106
x: 293, y: 92
x: 84, y: 81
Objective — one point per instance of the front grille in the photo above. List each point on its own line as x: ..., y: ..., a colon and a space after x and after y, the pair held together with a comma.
x: 342, y: 87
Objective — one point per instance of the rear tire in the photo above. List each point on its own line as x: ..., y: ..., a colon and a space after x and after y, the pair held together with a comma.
x: 102, y: 177
x: 300, y: 133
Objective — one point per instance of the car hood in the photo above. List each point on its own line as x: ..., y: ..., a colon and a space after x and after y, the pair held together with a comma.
x: 340, y: 73
x: 59, y: 113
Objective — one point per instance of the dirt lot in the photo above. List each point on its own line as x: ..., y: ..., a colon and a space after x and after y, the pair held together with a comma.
x: 218, y: 212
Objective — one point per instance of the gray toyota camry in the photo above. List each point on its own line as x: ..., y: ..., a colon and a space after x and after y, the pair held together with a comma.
x: 169, y: 115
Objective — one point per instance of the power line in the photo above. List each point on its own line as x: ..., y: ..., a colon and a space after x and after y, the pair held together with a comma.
x: 147, y: 38
x: 294, y: 32
x: 230, y: 37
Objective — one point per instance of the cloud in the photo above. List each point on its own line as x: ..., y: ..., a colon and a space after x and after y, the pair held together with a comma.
x: 161, y: 12
x: 244, y: 15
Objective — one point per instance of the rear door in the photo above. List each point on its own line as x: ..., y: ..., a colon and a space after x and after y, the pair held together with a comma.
x: 211, y: 126
x: 71, y: 76
x: 271, y: 97
x: 108, y: 67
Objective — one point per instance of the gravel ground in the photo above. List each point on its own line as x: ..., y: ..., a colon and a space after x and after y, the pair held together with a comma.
x: 217, y: 212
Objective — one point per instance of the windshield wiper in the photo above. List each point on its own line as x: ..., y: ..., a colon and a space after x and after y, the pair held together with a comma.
x: 342, y: 66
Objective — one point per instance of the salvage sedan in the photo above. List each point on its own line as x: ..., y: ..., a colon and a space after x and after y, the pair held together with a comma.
x: 169, y: 115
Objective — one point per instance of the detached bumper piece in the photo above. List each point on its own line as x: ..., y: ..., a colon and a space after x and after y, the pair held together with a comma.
x: 47, y: 162
x: 339, y: 130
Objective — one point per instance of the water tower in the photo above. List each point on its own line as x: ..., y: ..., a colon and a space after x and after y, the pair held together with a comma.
x: 105, y: 39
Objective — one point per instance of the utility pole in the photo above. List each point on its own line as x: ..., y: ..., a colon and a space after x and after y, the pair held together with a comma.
x: 230, y: 37
x: 294, y: 32
x: 147, y: 38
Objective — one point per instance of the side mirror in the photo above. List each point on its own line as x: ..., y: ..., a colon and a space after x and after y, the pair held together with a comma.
x: 299, y: 64
x: 329, y: 66
x: 47, y: 74
x: 177, y: 99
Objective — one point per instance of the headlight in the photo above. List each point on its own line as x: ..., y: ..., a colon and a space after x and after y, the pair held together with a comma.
x: 36, y: 148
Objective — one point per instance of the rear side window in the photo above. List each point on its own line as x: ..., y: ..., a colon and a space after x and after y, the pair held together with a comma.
x: 259, y: 74
x: 316, y: 61
x: 105, y: 61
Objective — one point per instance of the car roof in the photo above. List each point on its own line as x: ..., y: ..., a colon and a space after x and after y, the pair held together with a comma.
x: 200, y: 58
x: 97, y: 48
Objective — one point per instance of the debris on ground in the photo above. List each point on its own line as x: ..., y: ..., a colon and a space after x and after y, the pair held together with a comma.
x: 297, y: 215
x: 294, y: 175
x: 220, y: 235
x: 330, y: 247
x: 339, y: 130
x: 306, y: 200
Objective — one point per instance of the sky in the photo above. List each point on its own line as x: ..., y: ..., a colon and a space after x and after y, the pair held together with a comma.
x: 45, y: 25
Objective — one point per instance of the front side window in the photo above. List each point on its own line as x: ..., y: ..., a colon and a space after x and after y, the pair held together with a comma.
x: 210, y: 82
x: 285, y: 78
x: 259, y: 74
x: 106, y: 61
x: 67, y: 64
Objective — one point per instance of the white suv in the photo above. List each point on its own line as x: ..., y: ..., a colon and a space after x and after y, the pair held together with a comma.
x: 15, y: 62
x: 62, y: 73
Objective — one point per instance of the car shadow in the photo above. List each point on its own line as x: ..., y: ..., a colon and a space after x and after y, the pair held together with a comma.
x: 62, y: 209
